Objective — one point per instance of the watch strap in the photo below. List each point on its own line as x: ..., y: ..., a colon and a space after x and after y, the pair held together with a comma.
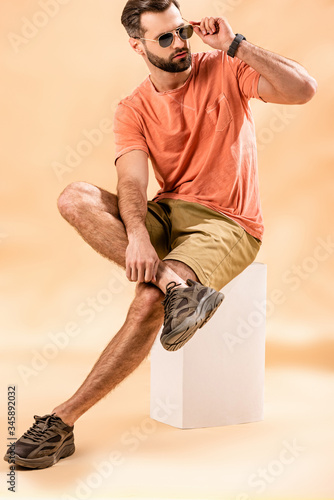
x: 234, y: 45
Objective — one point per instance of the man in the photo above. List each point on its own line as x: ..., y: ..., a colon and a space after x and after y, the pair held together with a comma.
x: 191, y: 117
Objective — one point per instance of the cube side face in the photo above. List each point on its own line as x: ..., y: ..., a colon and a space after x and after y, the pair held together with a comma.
x: 224, y: 362
x: 217, y: 378
x: 166, y: 379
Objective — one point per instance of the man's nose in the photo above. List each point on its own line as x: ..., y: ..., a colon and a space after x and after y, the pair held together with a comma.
x: 178, y: 42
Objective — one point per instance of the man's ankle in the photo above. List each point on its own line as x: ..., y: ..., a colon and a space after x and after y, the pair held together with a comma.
x: 67, y: 419
x: 182, y: 285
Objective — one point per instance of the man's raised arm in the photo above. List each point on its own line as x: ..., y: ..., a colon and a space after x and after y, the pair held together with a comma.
x: 141, y: 258
x: 281, y: 81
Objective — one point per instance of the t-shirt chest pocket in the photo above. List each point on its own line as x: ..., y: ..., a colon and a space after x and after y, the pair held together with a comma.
x: 219, y: 112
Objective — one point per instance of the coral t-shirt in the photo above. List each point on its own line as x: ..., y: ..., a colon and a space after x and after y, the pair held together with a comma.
x: 200, y: 137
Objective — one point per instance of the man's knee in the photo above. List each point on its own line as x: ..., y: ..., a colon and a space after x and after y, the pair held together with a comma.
x: 148, y: 299
x: 74, y: 196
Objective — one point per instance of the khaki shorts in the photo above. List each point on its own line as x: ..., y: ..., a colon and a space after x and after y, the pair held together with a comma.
x: 215, y: 247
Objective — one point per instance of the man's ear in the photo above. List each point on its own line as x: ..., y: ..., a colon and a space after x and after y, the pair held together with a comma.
x: 137, y: 46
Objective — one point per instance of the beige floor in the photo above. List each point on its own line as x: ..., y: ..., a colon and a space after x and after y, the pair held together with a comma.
x: 158, y: 461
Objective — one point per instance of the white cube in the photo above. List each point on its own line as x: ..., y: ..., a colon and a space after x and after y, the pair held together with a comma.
x: 217, y: 378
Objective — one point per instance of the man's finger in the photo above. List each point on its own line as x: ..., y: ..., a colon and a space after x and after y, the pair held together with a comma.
x: 128, y: 272
x: 155, y: 269
x: 141, y: 272
x: 148, y: 273
x: 207, y: 25
x: 134, y: 274
x: 196, y: 28
x: 212, y: 24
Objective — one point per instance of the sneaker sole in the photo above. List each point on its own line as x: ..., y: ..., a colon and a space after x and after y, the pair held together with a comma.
x: 205, y: 310
x: 44, y: 462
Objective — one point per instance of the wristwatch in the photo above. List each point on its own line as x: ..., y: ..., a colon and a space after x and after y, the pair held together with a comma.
x: 234, y: 45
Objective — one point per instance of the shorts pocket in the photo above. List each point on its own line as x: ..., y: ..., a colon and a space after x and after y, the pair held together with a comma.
x: 219, y: 112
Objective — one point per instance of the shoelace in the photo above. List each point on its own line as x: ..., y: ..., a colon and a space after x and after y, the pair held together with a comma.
x: 170, y: 298
x: 35, y: 431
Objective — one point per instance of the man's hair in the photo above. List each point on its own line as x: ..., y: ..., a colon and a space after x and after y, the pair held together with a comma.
x: 133, y: 10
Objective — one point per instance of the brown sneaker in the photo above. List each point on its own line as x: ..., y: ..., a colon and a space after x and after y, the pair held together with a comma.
x: 48, y: 440
x: 187, y: 310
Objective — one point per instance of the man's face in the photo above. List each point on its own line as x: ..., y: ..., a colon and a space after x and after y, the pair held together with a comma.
x: 175, y: 58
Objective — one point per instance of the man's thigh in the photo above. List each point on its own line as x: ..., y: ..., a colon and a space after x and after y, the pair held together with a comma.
x: 216, y: 248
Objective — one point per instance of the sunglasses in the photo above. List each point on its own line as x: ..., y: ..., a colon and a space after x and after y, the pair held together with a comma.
x: 166, y: 39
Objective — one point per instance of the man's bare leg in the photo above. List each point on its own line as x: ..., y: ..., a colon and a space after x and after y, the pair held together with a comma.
x: 94, y: 213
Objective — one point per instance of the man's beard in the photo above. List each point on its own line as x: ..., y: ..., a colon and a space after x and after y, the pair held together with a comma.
x: 169, y: 65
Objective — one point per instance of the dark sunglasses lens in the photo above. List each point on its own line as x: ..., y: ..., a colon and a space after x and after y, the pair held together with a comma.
x: 186, y: 32
x: 166, y: 39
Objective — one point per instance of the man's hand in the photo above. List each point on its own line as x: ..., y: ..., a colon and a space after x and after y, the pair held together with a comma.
x: 215, y: 31
x: 141, y: 259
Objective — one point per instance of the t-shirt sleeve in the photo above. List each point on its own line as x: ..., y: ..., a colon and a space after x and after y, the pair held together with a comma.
x: 128, y: 131
x: 247, y: 77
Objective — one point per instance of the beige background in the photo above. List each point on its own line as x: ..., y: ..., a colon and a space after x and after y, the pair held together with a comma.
x: 62, y: 79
